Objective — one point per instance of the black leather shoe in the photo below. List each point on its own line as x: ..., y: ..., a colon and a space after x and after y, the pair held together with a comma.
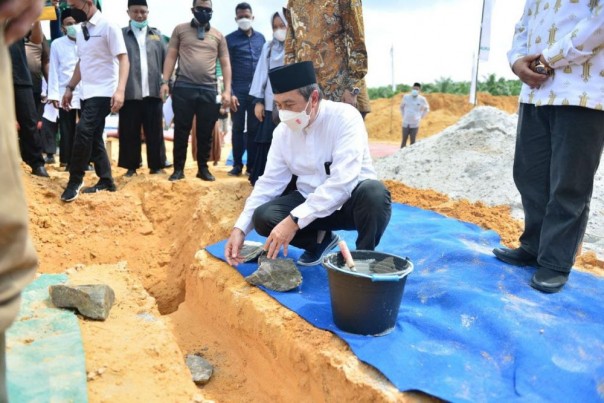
x: 130, y: 173
x: 517, y: 257
x: 101, y: 186
x: 156, y: 171
x: 236, y: 171
x: 176, y: 176
x: 40, y: 171
x: 206, y: 175
x: 548, y: 280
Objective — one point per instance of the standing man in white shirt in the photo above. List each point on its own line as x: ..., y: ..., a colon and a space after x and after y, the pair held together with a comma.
x: 414, y: 108
x: 325, y: 145
x: 103, y: 72
x: 63, y: 60
x: 143, y: 106
x: 560, y: 133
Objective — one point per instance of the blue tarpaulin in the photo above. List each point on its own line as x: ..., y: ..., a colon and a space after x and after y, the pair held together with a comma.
x: 470, y: 328
x: 45, y: 354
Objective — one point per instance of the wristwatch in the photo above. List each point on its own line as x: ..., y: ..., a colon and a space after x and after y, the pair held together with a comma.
x: 294, y: 219
x: 356, y: 91
x: 162, y: 82
x: 70, y: 87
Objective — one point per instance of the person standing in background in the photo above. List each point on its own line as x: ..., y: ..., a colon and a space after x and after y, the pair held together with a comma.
x: 414, y: 108
x: 63, y: 61
x: 262, y: 91
x: 332, y: 37
x: 245, y: 45
x: 560, y: 134
x: 18, y: 260
x: 103, y: 71
x: 196, y: 45
x: 143, y: 104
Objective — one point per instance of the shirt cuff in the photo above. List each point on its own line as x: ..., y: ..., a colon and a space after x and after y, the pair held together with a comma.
x: 304, y: 214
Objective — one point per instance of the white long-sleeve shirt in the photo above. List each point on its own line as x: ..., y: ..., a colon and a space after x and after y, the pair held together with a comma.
x: 63, y: 60
x: 413, y: 110
x: 337, y: 136
x: 570, y: 35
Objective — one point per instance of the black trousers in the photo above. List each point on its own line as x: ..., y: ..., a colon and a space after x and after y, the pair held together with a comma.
x: 187, y: 103
x: 134, y: 114
x: 243, y: 137
x: 27, y: 117
x: 67, y: 128
x: 558, y: 151
x: 88, y: 144
x: 409, y: 133
x: 367, y: 211
x: 49, y: 136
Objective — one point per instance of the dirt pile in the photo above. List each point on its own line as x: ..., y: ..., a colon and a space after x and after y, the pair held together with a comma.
x: 384, y: 122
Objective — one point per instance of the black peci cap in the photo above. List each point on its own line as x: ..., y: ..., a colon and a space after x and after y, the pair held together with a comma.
x: 292, y: 76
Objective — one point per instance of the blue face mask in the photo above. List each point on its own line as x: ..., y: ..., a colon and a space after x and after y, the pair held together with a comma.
x: 71, y: 31
x: 139, y: 25
x: 414, y: 93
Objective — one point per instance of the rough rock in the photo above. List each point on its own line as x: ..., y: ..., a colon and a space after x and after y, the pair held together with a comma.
x: 201, y: 370
x: 251, y: 251
x: 276, y: 274
x: 92, y: 301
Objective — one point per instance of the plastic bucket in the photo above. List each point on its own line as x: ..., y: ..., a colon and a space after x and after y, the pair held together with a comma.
x: 367, y: 301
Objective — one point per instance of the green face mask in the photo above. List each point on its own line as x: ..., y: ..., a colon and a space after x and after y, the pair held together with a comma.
x: 71, y: 31
x: 139, y: 25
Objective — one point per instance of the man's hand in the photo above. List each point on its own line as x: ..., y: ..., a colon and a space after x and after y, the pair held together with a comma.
x: 66, y: 101
x: 234, y: 103
x: 233, y: 247
x: 227, y: 100
x: 280, y: 236
x: 523, y: 70
x: 117, y: 101
x: 259, y: 111
x: 348, y: 98
x: 164, y: 92
x: 20, y: 15
x: 56, y: 104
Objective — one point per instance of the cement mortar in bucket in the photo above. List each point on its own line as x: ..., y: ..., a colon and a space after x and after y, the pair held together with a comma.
x: 366, y: 301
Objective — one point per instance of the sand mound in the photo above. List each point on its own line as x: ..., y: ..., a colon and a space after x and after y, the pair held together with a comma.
x: 473, y: 160
x: 384, y: 122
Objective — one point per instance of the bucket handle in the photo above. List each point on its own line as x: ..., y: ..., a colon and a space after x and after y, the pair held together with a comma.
x: 383, y: 278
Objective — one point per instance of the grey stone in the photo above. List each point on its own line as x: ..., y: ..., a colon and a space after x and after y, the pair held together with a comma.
x: 251, y: 251
x: 92, y: 301
x: 276, y: 274
x: 201, y: 370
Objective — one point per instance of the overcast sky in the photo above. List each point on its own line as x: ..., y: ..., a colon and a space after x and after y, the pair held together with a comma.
x: 431, y: 38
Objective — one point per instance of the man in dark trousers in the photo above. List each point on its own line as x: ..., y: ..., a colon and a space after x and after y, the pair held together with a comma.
x: 25, y: 107
x: 245, y: 47
x: 101, y: 49
x: 196, y: 45
x: 143, y: 104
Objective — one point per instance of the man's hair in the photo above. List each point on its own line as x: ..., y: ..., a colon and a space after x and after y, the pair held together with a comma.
x: 418, y: 85
x: 307, y: 91
x: 243, y: 6
x: 203, y: 1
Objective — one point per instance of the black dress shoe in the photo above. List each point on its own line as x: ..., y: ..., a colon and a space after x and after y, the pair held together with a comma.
x: 236, y: 171
x: 206, y: 175
x: 548, y: 280
x: 130, y: 173
x: 101, y: 186
x: 517, y: 257
x: 156, y: 171
x: 40, y: 171
x: 176, y: 176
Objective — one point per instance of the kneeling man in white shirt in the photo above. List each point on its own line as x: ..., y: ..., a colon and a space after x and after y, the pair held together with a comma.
x: 319, y: 176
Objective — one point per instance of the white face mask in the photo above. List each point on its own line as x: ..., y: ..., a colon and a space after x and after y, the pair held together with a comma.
x: 414, y: 93
x: 280, y: 34
x: 244, y: 24
x: 296, y: 121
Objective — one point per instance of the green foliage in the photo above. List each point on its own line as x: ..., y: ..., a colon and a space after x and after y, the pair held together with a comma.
x: 445, y: 85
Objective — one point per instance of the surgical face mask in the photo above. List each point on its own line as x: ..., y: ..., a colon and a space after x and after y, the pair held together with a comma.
x: 245, y: 24
x: 414, y: 93
x: 203, y: 15
x: 279, y: 35
x: 296, y: 121
x: 71, y: 31
x: 139, y: 25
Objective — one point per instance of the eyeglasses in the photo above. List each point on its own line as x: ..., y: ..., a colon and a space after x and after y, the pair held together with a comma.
x: 85, y: 32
